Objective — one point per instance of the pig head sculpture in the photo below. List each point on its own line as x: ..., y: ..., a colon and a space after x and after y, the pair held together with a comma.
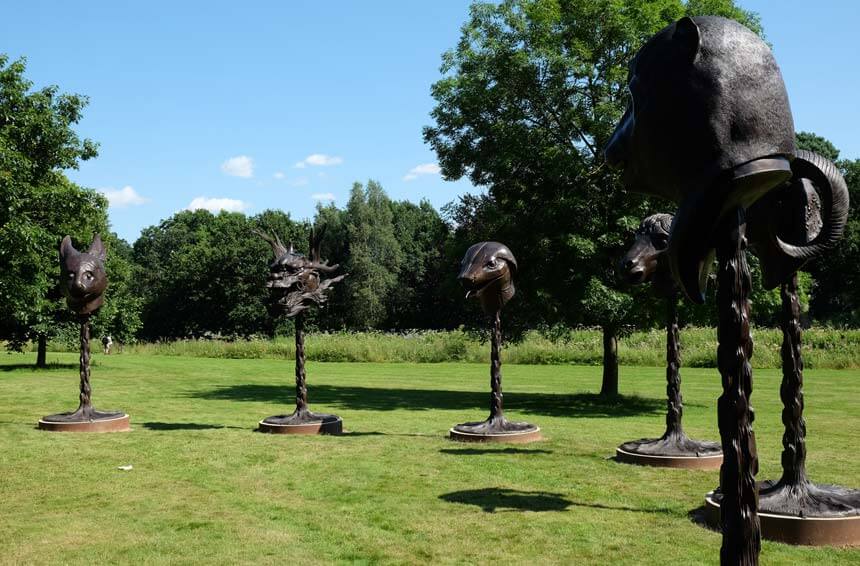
x: 709, y: 126
x: 82, y: 275
x: 486, y: 272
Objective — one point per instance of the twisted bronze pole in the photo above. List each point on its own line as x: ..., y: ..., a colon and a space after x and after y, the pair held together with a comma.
x: 791, y: 389
x: 496, y: 404
x: 675, y: 407
x: 301, y: 385
x: 739, y: 509
x: 86, y: 405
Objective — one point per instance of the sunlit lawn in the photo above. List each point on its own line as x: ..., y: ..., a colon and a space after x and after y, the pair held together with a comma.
x: 206, y: 489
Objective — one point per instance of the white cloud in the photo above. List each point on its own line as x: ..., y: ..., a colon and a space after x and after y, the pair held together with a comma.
x: 319, y: 160
x: 323, y: 196
x: 239, y: 166
x: 279, y: 175
x: 423, y: 169
x: 215, y: 204
x: 123, y: 197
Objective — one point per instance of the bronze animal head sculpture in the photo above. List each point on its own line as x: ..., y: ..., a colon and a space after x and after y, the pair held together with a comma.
x: 295, y: 280
x: 645, y: 261
x: 708, y: 126
x: 82, y: 275
x: 486, y: 272
x: 798, y: 220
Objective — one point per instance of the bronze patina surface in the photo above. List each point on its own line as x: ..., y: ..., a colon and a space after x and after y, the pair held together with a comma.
x: 645, y: 262
x: 83, y: 280
x: 487, y: 273
x: 297, y: 283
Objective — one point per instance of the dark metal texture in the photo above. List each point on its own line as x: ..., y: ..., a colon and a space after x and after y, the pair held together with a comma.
x: 800, y: 220
x: 645, y: 262
x: 486, y: 273
x: 295, y: 281
x: 83, y: 280
x: 739, y: 519
x: 296, y: 285
x: 794, y: 494
x: 708, y: 126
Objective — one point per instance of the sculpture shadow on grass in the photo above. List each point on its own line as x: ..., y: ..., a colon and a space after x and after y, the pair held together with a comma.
x: 33, y: 367
x: 495, y: 499
x: 481, y: 451
x: 585, y: 405
x: 183, y: 426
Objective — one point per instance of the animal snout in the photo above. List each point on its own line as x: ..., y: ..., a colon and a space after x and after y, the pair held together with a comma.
x: 616, y: 151
x: 466, y: 280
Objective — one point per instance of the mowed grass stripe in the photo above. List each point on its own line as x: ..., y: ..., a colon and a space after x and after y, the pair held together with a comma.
x: 206, y: 489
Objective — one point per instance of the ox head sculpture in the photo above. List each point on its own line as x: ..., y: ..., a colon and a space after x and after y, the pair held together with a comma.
x: 645, y: 261
x: 486, y: 272
x: 82, y: 275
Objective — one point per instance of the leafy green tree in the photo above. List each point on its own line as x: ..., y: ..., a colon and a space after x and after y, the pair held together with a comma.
x: 527, y: 100
x: 417, y: 300
x: 203, y: 274
x: 375, y: 255
x: 835, y: 296
x: 119, y: 317
x: 38, y: 204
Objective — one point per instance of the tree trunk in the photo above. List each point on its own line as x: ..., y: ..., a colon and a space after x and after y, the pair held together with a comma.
x: 739, y: 508
x: 609, y: 387
x: 42, y: 352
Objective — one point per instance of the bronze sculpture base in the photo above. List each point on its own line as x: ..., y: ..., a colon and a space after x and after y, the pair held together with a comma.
x: 97, y: 422
x: 495, y: 430
x: 827, y: 515
x: 304, y: 422
x: 675, y: 451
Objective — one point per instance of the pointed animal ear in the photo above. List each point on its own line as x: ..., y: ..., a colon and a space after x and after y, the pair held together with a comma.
x: 688, y: 37
x: 67, y: 249
x: 97, y: 248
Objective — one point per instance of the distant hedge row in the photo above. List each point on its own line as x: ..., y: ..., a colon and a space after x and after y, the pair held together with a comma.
x: 822, y: 348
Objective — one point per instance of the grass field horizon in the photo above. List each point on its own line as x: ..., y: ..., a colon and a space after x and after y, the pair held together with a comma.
x: 206, y: 489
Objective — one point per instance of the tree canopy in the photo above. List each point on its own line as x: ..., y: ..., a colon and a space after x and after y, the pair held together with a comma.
x: 528, y: 98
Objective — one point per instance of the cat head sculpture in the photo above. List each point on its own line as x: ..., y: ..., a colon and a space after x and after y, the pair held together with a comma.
x: 83, y: 276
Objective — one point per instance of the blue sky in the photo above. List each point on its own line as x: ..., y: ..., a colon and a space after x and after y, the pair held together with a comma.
x: 261, y: 105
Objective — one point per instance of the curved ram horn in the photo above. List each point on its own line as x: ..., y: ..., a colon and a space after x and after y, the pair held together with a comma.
x: 833, y: 193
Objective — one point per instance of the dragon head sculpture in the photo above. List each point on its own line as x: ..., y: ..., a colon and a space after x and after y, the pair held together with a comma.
x: 295, y: 280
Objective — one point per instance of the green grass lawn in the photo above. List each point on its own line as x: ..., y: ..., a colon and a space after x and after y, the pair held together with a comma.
x: 206, y: 489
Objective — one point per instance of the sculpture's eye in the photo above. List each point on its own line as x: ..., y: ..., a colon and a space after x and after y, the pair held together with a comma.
x: 88, y: 276
x: 661, y: 241
x: 491, y: 264
x: 71, y: 275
